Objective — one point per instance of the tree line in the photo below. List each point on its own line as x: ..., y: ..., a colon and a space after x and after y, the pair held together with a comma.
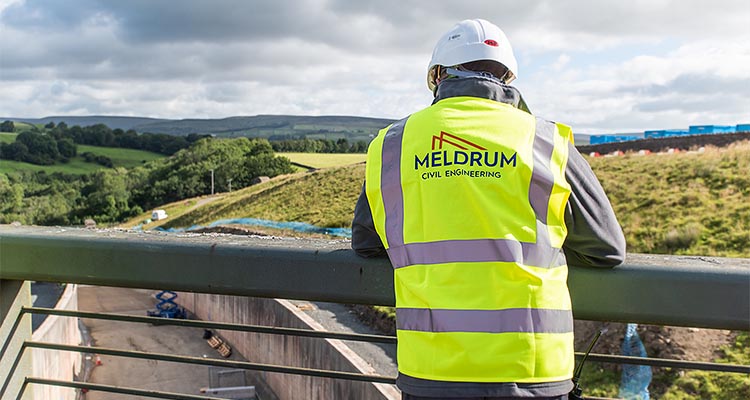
x: 57, y: 143
x: 306, y: 145
x: 114, y: 195
x: 38, y: 148
x: 7, y: 126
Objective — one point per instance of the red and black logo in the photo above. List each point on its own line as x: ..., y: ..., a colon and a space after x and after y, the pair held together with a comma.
x: 461, y: 152
x: 454, y: 140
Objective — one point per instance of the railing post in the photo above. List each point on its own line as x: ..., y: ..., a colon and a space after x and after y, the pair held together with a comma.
x: 14, y: 295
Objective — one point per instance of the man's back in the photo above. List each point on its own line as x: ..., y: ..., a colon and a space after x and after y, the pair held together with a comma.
x: 468, y: 195
x: 470, y: 198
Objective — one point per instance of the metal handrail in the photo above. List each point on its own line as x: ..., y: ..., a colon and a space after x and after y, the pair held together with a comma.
x: 193, y: 360
x: 647, y: 289
x: 666, y: 290
x: 605, y: 358
x: 358, y: 337
x: 262, y: 367
x: 213, y: 362
x: 667, y: 363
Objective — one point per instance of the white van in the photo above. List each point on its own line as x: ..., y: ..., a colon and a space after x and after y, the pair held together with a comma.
x: 158, y: 214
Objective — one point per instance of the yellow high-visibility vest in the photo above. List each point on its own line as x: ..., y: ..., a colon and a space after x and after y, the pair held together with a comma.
x: 468, y: 196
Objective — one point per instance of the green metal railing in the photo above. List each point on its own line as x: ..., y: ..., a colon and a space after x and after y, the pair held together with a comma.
x: 666, y: 290
x: 656, y: 362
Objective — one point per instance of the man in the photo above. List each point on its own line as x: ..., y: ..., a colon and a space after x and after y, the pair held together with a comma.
x: 479, y: 204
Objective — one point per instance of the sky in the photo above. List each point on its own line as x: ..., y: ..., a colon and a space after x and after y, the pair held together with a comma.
x: 600, y: 66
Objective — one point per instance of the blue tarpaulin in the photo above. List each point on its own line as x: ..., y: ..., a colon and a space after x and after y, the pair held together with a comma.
x: 295, y: 226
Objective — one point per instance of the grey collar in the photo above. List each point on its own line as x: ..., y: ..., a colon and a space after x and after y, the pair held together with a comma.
x: 479, y: 86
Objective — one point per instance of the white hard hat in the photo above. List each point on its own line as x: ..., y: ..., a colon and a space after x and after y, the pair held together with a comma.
x: 472, y: 40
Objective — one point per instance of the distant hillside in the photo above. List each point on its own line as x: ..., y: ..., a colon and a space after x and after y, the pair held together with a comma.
x: 275, y: 127
x: 265, y: 126
x: 113, y: 122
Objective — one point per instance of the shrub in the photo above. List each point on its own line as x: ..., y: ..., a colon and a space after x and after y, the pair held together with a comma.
x: 683, y: 238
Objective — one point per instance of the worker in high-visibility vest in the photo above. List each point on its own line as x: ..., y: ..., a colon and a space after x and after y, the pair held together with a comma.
x: 480, y: 205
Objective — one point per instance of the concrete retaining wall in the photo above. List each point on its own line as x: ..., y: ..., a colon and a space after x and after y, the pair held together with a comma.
x: 13, y: 296
x: 60, y: 365
x: 288, y: 350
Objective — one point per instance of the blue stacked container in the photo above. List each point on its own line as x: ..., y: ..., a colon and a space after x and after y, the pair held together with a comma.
x: 703, y: 129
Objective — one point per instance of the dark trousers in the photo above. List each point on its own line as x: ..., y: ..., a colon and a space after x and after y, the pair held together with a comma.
x: 405, y: 396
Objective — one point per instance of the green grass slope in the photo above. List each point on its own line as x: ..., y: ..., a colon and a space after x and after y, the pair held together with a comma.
x: 687, y: 203
x: 127, y: 158
x: 333, y: 191
x: 7, y: 137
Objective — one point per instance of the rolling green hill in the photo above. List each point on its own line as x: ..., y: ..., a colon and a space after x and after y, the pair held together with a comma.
x: 127, y: 158
x: 7, y: 137
x: 285, y: 198
x: 113, y: 122
x: 266, y: 126
x: 687, y: 203
x: 263, y: 126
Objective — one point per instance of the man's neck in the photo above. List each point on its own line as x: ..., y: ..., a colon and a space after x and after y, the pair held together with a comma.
x: 481, y: 87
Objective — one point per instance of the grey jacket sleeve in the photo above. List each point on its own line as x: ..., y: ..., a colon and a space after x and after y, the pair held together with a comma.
x: 595, y: 238
x: 365, y: 240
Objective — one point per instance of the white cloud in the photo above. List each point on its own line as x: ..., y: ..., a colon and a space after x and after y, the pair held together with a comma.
x: 598, y: 65
x: 700, y: 82
x: 561, y: 62
x: 7, y: 3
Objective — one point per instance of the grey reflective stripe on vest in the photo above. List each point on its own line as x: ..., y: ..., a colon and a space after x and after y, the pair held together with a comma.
x: 541, y: 177
x: 524, y: 320
x: 478, y: 250
x: 539, y: 254
x: 390, y: 184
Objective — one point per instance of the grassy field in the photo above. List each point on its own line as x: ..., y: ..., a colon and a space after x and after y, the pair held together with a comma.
x: 687, y: 203
x: 127, y: 158
x: 76, y: 166
x: 23, y: 126
x: 325, y: 160
x: 7, y: 137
